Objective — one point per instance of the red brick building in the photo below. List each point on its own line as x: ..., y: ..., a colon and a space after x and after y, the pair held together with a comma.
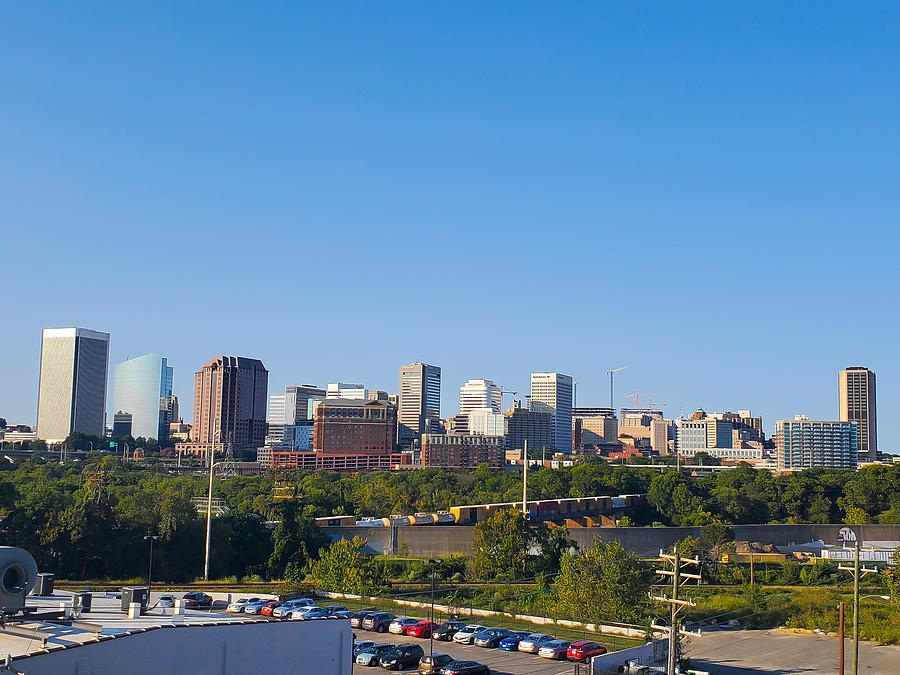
x: 354, y: 427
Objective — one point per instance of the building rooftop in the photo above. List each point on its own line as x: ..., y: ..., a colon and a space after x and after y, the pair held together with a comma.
x: 104, y: 621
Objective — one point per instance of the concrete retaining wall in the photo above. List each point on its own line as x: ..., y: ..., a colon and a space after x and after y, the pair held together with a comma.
x: 443, y: 540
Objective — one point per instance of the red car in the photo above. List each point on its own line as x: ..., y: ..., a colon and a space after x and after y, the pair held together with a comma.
x: 421, y: 630
x: 583, y: 650
x: 266, y: 609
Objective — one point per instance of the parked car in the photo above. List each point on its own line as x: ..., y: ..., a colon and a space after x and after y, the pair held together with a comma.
x: 197, y: 601
x: 401, y: 657
x: 239, y: 605
x: 378, y: 622
x: 491, y: 637
x: 357, y: 618
x: 422, y: 629
x: 284, y: 610
x: 255, y: 607
x: 583, y: 650
x: 446, y: 631
x: 399, y: 625
x: 370, y: 655
x: 511, y: 642
x: 431, y: 664
x: 309, y: 614
x: 534, y: 642
x: 465, y: 668
x: 268, y: 607
x: 359, y: 645
x: 334, y: 609
x: 555, y: 649
x: 467, y: 634
x: 166, y: 601
x: 341, y: 614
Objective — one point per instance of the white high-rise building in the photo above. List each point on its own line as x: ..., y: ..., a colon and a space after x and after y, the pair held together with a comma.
x: 344, y: 390
x: 486, y: 422
x: 72, y: 389
x: 552, y: 393
x: 478, y: 394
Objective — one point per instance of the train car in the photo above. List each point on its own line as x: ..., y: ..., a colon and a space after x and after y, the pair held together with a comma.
x: 374, y: 522
x: 444, y: 518
x: 423, y: 519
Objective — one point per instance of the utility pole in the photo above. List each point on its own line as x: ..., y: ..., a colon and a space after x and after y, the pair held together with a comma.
x: 525, y: 480
x: 856, y: 570
x: 675, y: 603
x: 841, y: 638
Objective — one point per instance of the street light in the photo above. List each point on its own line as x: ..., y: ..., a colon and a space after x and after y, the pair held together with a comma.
x: 212, y: 464
x: 152, y: 538
x: 433, y: 562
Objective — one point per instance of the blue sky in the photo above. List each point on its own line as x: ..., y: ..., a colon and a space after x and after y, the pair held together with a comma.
x: 704, y: 192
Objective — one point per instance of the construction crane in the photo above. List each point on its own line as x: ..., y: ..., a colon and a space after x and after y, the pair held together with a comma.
x: 505, y: 391
x: 612, y: 372
x: 637, y: 397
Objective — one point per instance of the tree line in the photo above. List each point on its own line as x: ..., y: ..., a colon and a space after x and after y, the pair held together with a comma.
x: 88, y: 519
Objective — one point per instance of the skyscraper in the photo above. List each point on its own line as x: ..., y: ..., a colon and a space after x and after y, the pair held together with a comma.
x: 802, y: 443
x: 856, y: 394
x: 72, y: 389
x: 229, y: 405
x: 552, y: 393
x: 419, y: 401
x: 143, y: 388
x: 480, y: 394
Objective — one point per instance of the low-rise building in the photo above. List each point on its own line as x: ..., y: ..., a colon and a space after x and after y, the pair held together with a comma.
x: 457, y: 451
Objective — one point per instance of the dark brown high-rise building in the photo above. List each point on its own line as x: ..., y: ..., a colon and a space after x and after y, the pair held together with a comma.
x: 230, y: 395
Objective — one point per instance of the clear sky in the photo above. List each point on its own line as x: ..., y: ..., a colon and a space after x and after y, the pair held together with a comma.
x: 706, y: 192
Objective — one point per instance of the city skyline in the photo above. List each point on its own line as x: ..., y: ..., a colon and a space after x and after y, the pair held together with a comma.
x: 706, y: 170
x: 520, y: 395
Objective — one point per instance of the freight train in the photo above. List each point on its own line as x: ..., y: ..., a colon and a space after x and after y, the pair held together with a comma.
x: 540, y: 509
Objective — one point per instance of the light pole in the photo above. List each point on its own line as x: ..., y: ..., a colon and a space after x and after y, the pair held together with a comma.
x: 212, y: 464
x: 433, y: 562
x: 152, y: 538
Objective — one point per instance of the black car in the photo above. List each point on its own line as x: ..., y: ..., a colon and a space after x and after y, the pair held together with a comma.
x: 197, y: 601
x: 466, y: 668
x: 446, y: 632
x: 379, y: 621
x: 401, y: 657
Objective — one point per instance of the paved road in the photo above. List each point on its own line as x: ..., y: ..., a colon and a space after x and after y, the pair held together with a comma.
x: 758, y: 652
x: 500, y: 662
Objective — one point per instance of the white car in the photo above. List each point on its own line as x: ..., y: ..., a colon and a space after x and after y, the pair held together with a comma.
x: 299, y: 613
x: 238, y: 605
x: 166, y: 601
x: 254, y: 607
x: 284, y: 610
x: 467, y: 634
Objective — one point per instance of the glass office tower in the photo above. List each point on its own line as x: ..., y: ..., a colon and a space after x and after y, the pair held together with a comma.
x: 143, y: 387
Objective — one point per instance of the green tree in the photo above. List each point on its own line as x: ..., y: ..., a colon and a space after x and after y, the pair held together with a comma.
x: 603, y: 583
x: 345, y: 567
x: 500, y: 546
x: 296, y: 540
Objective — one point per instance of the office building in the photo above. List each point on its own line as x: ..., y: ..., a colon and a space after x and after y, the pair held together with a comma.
x: 354, y: 426
x: 143, y: 389
x: 344, y: 390
x: 523, y: 424
x: 802, y: 443
x: 419, y: 410
x: 659, y: 435
x: 122, y: 424
x: 379, y: 395
x: 480, y: 394
x: 72, y: 388
x: 454, y: 451
x: 552, y: 393
x: 485, y: 422
x: 230, y: 395
x: 856, y: 393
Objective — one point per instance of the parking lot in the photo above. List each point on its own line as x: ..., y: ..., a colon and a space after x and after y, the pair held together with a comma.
x: 500, y: 662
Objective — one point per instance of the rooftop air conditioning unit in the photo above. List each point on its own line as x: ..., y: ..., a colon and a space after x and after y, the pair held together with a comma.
x: 18, y: 572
